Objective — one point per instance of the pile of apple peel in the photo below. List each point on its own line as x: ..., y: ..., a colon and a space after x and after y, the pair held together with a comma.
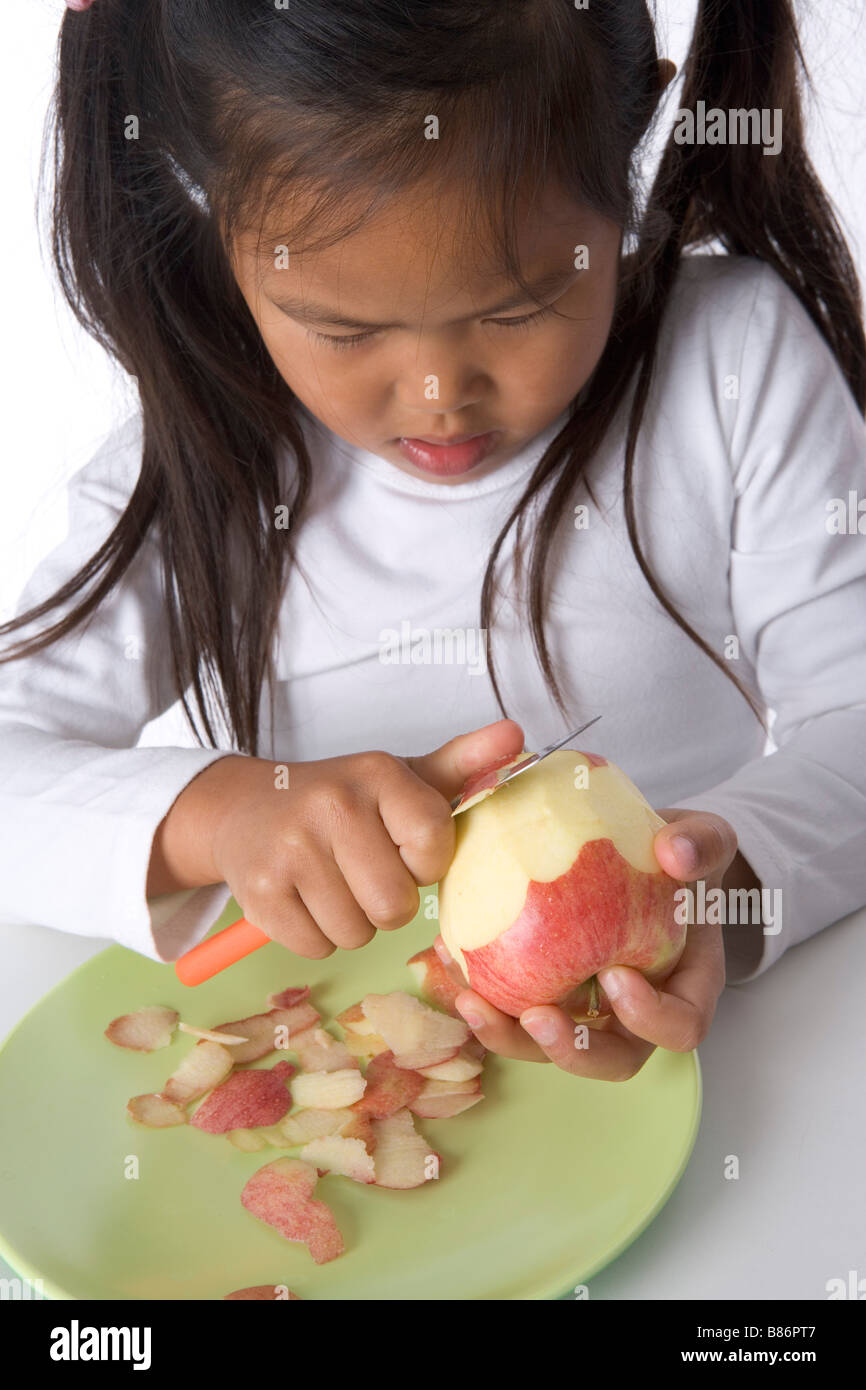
x: 348, y: 1107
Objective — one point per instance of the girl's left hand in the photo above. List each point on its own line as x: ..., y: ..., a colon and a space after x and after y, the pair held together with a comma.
x: 677, y: 1017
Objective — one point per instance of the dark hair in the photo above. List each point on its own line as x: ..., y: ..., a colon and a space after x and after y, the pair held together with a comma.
x: 239, y: 101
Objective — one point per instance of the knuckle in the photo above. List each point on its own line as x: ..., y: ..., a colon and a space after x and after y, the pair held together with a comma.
x: 431, y: 837
x: 374, y: 763
x: 263, y: 884
x: 335, y: 802
x: 295, y: 846
x: 391, y: 909
x: 359, y: 937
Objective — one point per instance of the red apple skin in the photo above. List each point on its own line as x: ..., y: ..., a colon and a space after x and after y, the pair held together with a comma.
x: 438, y: 988
x: 486, y: 777
x: 601, y: 912
x: 259, y: 1292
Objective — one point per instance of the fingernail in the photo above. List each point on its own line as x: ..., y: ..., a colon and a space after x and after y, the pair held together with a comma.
x: 442, y: 952
x: 541, y: 1029
x: 686, y: 851
x: 469, y: 1016
x: 612, y: 983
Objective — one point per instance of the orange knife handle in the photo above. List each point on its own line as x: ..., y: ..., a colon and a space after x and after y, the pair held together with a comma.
x: 217, y: 952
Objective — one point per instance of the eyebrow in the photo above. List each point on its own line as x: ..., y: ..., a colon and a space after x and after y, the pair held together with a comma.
x: 320, y: 313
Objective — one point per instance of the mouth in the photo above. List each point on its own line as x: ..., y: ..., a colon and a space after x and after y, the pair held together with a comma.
x: 448, y: 456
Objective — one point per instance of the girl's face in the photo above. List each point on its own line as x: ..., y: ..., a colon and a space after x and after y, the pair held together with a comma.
x: 404, y: 331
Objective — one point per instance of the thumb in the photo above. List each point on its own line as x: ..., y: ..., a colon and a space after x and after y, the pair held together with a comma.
x: 447, y: 768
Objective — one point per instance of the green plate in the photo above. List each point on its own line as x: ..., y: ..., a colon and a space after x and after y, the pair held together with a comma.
x: 542, y: 1184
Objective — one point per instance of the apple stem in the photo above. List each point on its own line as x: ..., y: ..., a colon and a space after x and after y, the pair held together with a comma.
x: 593, y: 997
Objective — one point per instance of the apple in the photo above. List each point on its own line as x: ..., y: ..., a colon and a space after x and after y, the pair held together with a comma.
x: 553, y: 879
x: 434, y: 983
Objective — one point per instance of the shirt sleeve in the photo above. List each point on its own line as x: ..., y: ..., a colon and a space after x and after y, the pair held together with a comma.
x: 79, y: 803
x: 798, y: 595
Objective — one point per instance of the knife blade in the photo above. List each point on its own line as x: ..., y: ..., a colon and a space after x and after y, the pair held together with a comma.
x: 492, y: 778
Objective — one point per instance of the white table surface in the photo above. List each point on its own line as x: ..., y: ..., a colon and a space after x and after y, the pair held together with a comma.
x: 784, y: 1073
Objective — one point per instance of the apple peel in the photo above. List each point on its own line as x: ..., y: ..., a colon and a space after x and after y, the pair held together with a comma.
x: 281, y: 1195
x: 146, y: 1030
x: 417, y: 1035
x: 201, y: 1069
x: 262, y: 1292
x: 156, y: 1112
x: 339, y: 1154
x: 389, y: 1088
x: 328, y: 1090
x: 247, y: 1100
x: 318, y: 1050
x: 260, y: 1030
x: 402, y: 1156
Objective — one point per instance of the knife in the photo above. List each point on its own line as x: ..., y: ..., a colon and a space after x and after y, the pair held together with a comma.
x: 490, y: 779
x: 221, y: 950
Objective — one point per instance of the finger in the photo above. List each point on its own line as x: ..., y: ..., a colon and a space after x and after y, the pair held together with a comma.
x: 285, y: 918
x: 447, y: 768
x: 694, y: 844
x: 600, y: 1054
x: 700, y: 972
x: 678, y: 1015
x: 497, y: 1031
x: 330, y: 903
x: 377, y: 878
x: 418, y: 821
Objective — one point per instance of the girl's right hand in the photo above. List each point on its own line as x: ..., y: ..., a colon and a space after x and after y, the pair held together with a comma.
x: 341, y: 851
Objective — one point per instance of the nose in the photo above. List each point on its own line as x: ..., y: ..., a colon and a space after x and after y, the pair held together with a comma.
x: 440, y: 384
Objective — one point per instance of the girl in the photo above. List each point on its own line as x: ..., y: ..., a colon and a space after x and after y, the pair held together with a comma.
x: 413, y: 360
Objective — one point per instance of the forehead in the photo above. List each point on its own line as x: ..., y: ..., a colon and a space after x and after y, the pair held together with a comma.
x: 425, y: 243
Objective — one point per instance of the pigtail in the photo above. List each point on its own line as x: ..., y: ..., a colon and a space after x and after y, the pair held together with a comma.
x: 746, y: 54
x: 743, y: 54
x: 140, y: 264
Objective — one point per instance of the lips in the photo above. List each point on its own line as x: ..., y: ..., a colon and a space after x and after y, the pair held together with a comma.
x: 448, y: 457
x: 443, y: 441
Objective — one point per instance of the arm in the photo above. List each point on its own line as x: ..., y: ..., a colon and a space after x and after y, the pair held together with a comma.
x: 79, y: 803
x: 798, y: 598
x: 181, y: 856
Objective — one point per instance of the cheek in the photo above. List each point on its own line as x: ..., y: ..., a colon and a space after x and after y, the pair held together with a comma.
x: 554, y: 366
x: 316, y: 372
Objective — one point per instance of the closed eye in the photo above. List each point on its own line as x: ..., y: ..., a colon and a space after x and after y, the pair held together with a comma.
x: 354, y: 339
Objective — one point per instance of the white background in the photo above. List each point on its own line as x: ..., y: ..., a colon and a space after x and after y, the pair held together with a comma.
x: 61, y: 395
x: 783, y: 1063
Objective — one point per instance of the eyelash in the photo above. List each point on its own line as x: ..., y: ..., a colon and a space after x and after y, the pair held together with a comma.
x: 355, y: 339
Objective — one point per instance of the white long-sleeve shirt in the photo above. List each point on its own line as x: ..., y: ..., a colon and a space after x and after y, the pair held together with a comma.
x: 749, y: 435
